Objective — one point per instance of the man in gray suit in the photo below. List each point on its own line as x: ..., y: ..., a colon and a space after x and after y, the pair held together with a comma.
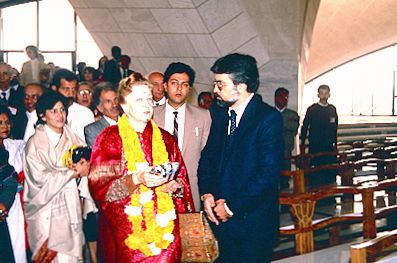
x: 105, y: 99
x: 189, y: 124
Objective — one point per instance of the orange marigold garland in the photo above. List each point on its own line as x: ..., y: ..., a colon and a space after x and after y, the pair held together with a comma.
x: 157, y: 233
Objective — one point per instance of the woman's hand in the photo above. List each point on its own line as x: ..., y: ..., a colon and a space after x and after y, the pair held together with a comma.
x: 148, y: 179
x: 171, y: 187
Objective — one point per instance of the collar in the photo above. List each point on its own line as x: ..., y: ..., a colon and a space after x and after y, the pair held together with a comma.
x: 323, y: 105
x: 7, y: 91
x: 168, y: 107
x: 109, y: 120
x: 160, y: 102
x: 280, y: 110
x: 241, y: 108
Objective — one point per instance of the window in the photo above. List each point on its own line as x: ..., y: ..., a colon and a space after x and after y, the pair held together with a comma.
x: 49, y: 25
x: 362, y: 87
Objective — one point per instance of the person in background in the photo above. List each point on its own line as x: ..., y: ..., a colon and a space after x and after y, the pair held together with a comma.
x: 189, y: 124
x: 130, y: 193
x: 45, y: 78
x: 90, y: 74
x: 240, y: 165
x: 80, y: 70
x: 26, y: 117
x: 8, y: 189
x: 290, y: 124
x: 101, y: 67
x: 52, y: 195
x: 106, y: 102
x: 321, y: 121
x: 15, y: 218
x: 84, y: 94
x: 156, y: 79
x: 31, y: 69
x: 65, y: 82
x: 205, y: 99
x: 9, y: 97
x: 112, y: 68
x: 125, y: 62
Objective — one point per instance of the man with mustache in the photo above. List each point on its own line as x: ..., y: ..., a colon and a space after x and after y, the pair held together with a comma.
x: 65, y: 82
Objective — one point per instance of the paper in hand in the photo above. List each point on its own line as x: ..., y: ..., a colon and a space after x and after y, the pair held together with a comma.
x: 166, y: 170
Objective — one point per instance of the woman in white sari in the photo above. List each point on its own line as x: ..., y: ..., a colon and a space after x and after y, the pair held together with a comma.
x: 52, y: 195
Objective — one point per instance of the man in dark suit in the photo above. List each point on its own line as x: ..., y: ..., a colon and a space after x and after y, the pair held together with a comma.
x: 290, y: 124
x: 112, y: 67
x: 125, y: 70
x: 240, y: 165
x: 105, y: 100
x: 9, y: 97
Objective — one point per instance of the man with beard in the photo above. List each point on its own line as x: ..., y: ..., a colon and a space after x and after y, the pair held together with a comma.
x: 65, y: 82
x: 240, y: 165
x: 105, y: 100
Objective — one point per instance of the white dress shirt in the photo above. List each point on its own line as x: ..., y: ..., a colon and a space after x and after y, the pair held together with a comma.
x: 109, y: 120
x: 79, y: 116
x: 32, y: 120
x: 239, y: 111
x: 169, y: 122
x: 160, y: 102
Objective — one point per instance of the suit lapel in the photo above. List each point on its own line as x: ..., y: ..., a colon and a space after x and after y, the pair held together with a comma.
x: 161, y: 116
x: 104, y: 123
x: 245, y: 123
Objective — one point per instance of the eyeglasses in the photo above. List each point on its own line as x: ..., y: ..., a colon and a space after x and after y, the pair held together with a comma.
x: 5, y: 123
x: 220, y: 84
x: 175, y: 83
x: 84, y: 92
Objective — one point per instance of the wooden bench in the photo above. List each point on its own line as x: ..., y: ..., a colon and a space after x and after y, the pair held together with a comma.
x: 368, y: 250
x: 303, y: 206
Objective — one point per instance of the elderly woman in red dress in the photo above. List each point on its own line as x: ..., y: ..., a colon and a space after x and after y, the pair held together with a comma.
x: 138, y: 206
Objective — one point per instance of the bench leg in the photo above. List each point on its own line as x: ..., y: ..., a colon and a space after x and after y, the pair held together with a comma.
x: 303, y: 214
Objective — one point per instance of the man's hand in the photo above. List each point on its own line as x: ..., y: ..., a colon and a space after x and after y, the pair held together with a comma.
x: 209, y: 203
x: 220, y: 210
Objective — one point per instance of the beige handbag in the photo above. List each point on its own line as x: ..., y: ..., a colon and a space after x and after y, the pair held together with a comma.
x: 198, y: 241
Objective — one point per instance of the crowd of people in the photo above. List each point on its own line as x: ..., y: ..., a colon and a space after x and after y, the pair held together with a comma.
x: 154, y: 155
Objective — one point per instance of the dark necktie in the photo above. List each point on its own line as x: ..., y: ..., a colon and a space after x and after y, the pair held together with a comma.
x: 125, y: 73
x: 176, y: 126
x: 233, y: 124
x: 3, y: 100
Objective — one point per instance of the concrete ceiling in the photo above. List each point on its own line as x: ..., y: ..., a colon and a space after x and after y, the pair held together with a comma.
x: 346, y: 29
x: 318, y: 35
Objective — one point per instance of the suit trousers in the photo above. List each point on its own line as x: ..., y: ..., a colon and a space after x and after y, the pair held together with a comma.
x: 237, y: 245
x: 6, y: 253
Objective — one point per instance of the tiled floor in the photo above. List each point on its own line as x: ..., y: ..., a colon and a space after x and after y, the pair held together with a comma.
x: 335, y: 254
